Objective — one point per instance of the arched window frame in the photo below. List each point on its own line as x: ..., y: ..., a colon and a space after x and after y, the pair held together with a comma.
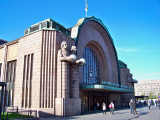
x: 91, y: 70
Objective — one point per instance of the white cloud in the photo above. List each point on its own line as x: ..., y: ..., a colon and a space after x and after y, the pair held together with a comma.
x: 158, y: 73
x: 154, y: 76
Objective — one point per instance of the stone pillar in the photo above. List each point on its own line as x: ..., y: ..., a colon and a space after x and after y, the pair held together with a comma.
x: 4, y: 64
x: 74, y: 81
x: 63, y: 87
x: 67, y: 101
x: 63, y: 75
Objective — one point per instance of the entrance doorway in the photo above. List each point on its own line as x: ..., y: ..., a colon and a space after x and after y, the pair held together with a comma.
x: 94, y: 101
x: 98, y: 101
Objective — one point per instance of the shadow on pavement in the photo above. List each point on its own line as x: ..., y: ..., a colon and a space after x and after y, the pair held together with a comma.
x: 139, y: 114
x: 115, y: 113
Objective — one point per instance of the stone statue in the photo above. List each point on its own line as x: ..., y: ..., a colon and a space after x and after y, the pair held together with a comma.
x: 64, y: 55
x: 129, y: 77
x: 73, y: 50
x: 81, y: 61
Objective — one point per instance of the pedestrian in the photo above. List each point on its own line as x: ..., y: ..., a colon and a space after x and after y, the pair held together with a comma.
x: 97, y: 105
x: 134, y: 108
x: 159, y: 103
x: 149, y: 104
x: 111, y: 107
x: 131, y: 105
x: 156, y: 103
x: 104, y: 108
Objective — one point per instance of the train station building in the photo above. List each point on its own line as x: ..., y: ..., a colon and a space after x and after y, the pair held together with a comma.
x: 64, y: 72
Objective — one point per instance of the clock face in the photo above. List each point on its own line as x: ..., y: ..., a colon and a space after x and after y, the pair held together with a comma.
x: 91, y: 74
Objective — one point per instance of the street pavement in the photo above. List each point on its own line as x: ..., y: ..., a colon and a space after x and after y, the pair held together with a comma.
x: 124, y: 114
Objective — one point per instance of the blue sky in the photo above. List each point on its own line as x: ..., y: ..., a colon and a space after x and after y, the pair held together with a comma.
x: 133, y: 24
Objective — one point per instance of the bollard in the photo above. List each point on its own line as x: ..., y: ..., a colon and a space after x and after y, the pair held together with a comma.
x: 17, y: 109
x: 7, y: 115
x: 36, y: 114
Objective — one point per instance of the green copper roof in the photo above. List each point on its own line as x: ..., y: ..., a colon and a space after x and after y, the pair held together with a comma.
x: 76, y: 29
x: 122, y: 64
x: 106, y: 87
x: 135, y: 81
x: 48, y: 24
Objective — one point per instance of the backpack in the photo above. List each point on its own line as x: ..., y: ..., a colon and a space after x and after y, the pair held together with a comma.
x: 110, y: 106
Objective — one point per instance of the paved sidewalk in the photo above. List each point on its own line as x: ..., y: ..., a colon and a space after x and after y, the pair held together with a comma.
x: 143, y: 114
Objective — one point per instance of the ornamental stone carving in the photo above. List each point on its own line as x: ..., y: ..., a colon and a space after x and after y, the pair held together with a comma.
x: 129, y: 77
x: 81, y: 61
x: 64, y: 55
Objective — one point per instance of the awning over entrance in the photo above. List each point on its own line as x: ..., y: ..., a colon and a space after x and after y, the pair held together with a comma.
x: 105, y: 88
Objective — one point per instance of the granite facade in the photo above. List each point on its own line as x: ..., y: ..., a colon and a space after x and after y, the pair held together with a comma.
x: 44, y: 83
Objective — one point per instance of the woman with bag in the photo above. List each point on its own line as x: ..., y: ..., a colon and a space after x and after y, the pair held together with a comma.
x: 111, y: 107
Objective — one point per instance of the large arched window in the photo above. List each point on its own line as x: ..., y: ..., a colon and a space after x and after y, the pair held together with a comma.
x: 91, y: 69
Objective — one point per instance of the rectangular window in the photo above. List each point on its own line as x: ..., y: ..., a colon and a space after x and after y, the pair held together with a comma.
x: 31, y: 69
x: 23, y: 85
x: 10, y: 80
x: 27, y: 80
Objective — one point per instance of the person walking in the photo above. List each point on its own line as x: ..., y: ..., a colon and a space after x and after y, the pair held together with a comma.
x: 156, y: 103
x: 131, y: 105
x: 149, y: 104
x: 111, y: 106
x: 104, y: 108
x: 134, y: 108
x: 159, y: 103
x: 97, y: 105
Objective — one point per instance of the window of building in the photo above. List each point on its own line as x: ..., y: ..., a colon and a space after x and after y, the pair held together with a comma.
x: 27, y: 80
x: 10, y: 80
x: 91, y: 69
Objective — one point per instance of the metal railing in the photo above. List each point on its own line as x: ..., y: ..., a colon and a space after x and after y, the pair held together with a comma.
x: 12, y: 112
x: 11, y: 109
x: 32, y: 114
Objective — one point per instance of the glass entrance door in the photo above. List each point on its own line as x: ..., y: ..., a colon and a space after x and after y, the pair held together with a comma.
x: 98, y: 101
x: 94, y: 101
